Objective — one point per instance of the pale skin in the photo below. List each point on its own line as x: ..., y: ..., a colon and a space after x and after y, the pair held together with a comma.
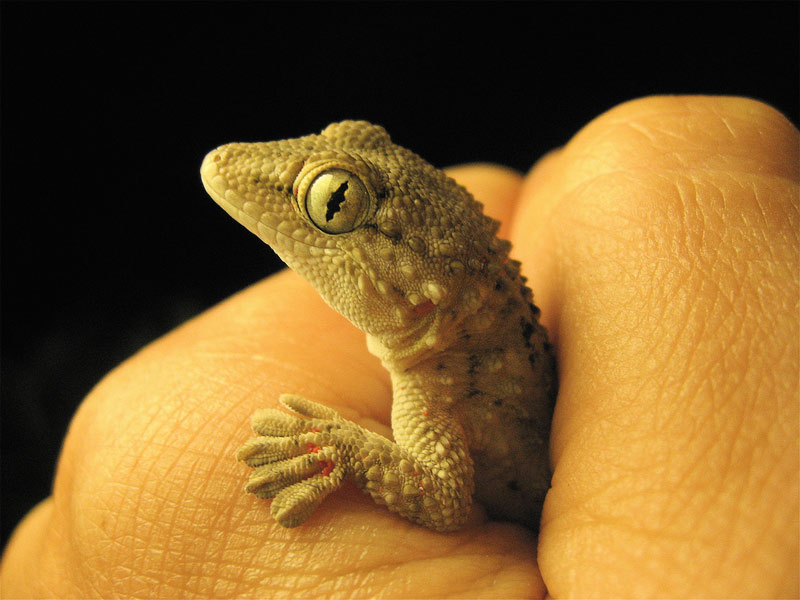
x: 661, y: 245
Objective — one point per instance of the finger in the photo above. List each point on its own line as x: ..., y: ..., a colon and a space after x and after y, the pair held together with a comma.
x: 32, y: 551
x: 662, y: 241
x: 148, y: 499
x: 494, y: 186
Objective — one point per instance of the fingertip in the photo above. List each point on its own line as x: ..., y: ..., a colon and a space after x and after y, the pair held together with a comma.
x: 495, y: 186
x: 24, y: 564
x: 631, y: 235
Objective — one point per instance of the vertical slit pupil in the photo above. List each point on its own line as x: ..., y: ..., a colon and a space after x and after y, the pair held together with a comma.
x: 335, y: 201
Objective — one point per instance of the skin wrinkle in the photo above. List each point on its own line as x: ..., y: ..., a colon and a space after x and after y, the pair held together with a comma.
x: 168, y: 501
x: 666, y: 488
x: 688, y: 470
x: 625, y: 329
x: 216, y: 522
x: 150, y: 476
x: 709, y: 318
x: 129, y: 503
x: 704, y: 325
x: 391, y: 572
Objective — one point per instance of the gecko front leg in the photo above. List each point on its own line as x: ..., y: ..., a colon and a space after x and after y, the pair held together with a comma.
x: 298, y: 461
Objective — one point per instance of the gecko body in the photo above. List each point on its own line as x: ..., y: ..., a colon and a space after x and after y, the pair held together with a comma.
x: 408, y: 256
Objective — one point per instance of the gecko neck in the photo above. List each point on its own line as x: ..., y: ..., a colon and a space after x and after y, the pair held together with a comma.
x: 479, y: 345
x: 490, y: 368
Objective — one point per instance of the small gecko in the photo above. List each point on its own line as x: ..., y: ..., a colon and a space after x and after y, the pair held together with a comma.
x: 407, y: 255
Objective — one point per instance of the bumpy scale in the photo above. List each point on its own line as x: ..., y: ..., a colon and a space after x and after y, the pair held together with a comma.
x: 407, y: 255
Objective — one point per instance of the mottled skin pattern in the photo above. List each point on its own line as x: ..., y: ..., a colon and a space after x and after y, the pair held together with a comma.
x: 407, y: 255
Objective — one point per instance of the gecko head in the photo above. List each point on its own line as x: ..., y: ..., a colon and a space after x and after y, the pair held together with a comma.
x: 386, y: 239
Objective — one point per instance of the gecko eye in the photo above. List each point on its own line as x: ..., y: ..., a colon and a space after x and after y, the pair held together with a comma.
x: 336, y: 201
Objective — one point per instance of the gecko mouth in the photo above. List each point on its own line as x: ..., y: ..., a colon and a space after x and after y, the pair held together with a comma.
x: 232, y: 203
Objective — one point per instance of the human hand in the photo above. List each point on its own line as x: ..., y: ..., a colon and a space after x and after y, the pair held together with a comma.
x: 661, y: 245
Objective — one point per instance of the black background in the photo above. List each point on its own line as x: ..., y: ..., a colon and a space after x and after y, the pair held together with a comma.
x: 108, y: 239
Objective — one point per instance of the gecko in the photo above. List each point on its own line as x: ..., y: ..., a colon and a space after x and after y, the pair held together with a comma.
x: 408, y: 256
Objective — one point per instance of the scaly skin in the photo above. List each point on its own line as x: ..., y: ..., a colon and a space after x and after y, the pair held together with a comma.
x: 407, y: 255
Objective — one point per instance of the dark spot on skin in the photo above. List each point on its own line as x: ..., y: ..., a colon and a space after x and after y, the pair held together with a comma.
x: 474, y: 363
x: 527, y: 331
x: 548, y: 347
x: 440, y: 366
x: 499, y: 285
x: 256, y: 180
x: 533, y: 357
x: 472, y: 392
x: 510, y: 307
x: 504, y: 312
x: 513, y: 485
x: 498, y: 402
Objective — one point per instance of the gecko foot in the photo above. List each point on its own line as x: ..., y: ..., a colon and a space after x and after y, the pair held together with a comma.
x: 296, y: 458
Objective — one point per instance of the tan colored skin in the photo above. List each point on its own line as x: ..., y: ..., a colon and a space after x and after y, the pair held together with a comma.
x: 675, y: 438
x: 408, y: 256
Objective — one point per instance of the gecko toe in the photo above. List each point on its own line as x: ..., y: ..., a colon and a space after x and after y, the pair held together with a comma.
x: 263, y: 450
x: 308, y: 408
x: 294, y: 504
x: 274, y: 422
x: 267, y: 480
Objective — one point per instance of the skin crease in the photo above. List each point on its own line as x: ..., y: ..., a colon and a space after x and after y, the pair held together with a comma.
x: 661, y: 245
